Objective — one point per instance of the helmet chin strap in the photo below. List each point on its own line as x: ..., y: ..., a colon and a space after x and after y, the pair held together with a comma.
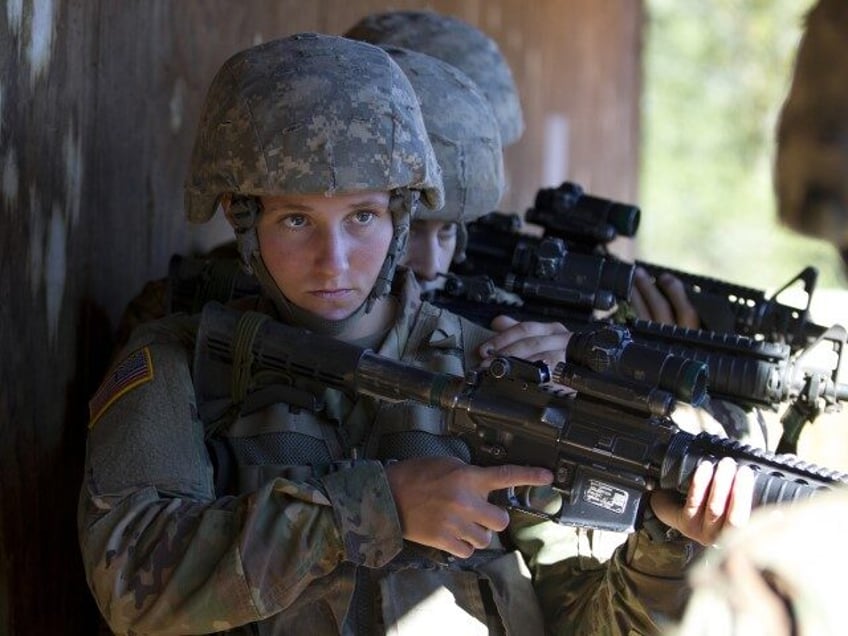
x: 244, y: 213
x: 461, y: 242
x: 402, y: 204
x: 294, y: 315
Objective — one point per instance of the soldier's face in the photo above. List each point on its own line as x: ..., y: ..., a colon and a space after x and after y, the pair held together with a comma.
x: 430, y: 250
x: 325, y: 253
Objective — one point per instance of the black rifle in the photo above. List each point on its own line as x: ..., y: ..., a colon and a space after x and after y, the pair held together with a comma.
x: 759, y: 351
x: 587, y: 223
x: 543, y: 270
x: 748, y: 372
x: 742, y: 370
x: 551, y: 282
x: 607, y: 445
x: 755, y: 373
x: 478, y: 298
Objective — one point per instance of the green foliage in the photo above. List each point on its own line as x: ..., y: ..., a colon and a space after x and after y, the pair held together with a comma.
x: 716, y: 74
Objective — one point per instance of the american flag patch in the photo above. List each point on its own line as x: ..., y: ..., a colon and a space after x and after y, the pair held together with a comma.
x: 135, y: 370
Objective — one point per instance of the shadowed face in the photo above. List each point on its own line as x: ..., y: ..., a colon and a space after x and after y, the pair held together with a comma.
x: 325, y: 253
x: 430, y: 250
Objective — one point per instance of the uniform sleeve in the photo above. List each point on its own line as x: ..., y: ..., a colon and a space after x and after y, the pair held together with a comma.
x: 163, y: 555
x: 600, y: 583
x: 637, y: 590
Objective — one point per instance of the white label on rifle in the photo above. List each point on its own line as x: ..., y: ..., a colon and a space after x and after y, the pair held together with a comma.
x: 607, y: 496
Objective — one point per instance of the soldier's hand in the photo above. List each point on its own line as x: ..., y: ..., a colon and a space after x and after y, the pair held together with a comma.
x: 663, y: 300
x: 444, y: 503
x: 529, y: 340
x: 719, y: 496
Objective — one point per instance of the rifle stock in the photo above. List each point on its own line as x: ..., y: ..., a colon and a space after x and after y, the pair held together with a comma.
x: 192, y: 282
x: 608, y: 445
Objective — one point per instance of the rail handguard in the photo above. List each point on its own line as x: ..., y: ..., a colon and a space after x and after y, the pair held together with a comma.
x: 608, y: 444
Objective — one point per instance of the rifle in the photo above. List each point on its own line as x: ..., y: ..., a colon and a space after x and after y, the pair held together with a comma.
x: 587, y: 223
x: 742, y: 370
x: 755, y: 373
x: 748, y: 372
x: 607, y: 445
x: 477, y: 298
x: 543, y: 270
x: 552, y: 282
x: 745, y: 371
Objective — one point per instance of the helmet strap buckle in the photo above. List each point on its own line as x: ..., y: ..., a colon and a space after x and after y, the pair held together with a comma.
x: 244, y: 210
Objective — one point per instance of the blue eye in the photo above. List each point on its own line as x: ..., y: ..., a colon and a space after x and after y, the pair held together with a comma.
x: 363, y: 217
x: 293, y: 220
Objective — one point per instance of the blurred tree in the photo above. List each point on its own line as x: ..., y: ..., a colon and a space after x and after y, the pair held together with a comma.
x: 716, y: 74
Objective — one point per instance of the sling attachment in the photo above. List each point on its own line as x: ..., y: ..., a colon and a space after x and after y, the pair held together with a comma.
x: 242, y: 351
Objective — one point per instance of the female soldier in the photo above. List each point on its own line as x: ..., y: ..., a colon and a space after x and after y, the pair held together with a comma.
x: 357, y: 518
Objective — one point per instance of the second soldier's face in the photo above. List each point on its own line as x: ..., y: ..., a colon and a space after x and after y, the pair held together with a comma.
x: 430, y: 250
x: 325, y: 253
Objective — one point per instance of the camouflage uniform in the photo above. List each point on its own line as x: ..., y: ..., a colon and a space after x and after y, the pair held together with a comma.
x: 307, y: 536
x: 770, y: 579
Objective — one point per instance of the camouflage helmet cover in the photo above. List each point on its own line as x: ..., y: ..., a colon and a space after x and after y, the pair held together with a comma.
x: 459, y: 44
x: 463, y: 132
x: 309, y: 114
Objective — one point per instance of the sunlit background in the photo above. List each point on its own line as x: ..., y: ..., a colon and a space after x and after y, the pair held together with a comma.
x: 715, y: 76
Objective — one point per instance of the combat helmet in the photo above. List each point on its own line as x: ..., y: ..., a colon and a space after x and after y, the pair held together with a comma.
x: 467, y: 142
x: 459, y: 44
x: 311, y: 114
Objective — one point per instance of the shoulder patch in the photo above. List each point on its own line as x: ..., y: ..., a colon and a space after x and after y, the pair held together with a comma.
x: 133, y: 371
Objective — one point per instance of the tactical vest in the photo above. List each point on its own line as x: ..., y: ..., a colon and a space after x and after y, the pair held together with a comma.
x: 490, y: 593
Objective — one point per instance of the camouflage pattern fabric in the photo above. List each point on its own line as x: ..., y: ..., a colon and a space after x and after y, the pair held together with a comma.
x: 460, y: 45
x: 467, y: 143
x: 770, y: 579
x: 164, y: 553
x: 639, y: 590
x: 309, y: 114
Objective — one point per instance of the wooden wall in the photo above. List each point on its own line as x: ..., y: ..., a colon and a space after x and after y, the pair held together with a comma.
x: 99, y: 101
